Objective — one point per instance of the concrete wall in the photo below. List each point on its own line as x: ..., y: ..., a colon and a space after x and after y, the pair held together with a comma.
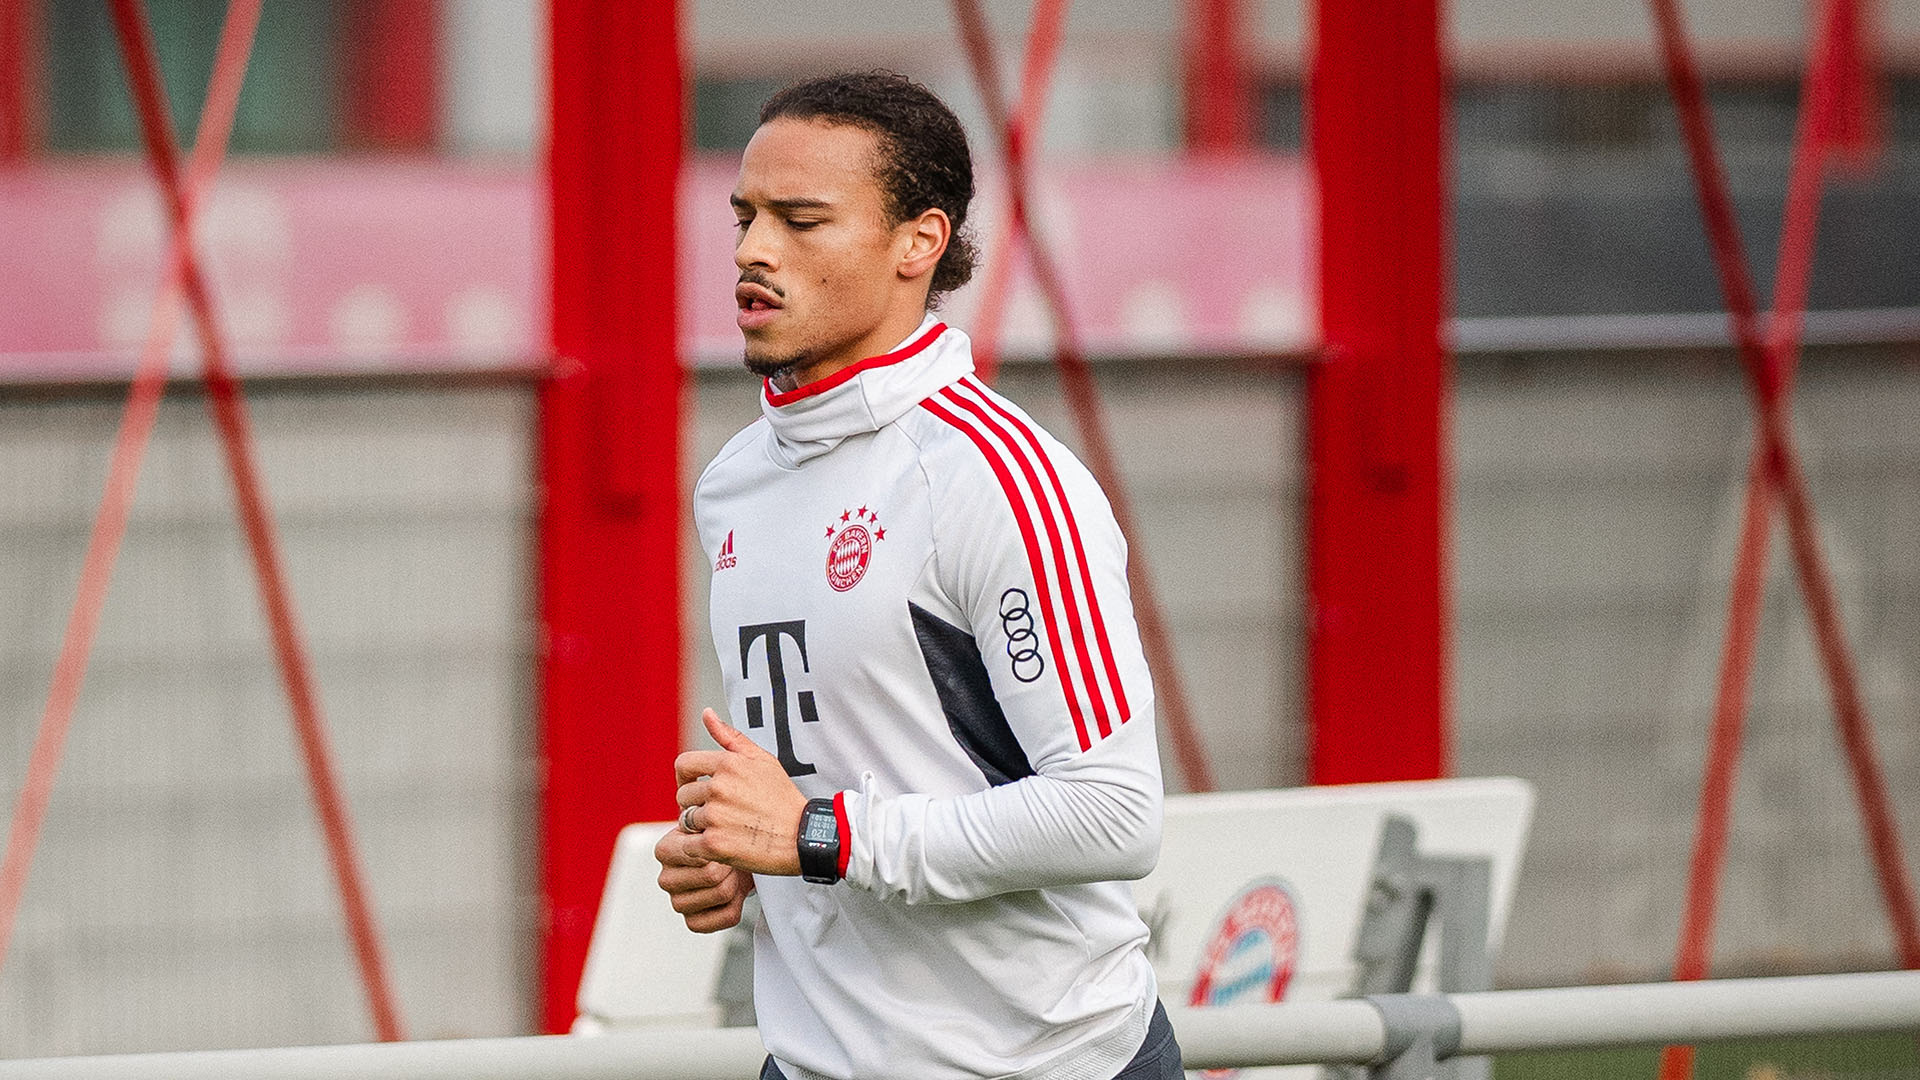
x: 181, y: 896
x: 1598, y: 504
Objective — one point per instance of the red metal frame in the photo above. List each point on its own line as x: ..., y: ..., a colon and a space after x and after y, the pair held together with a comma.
x: 229, y: 413
x: 1831, y: 122
x: 1003, y: 253
x: 123, y: 473
x: 1748, y: 591
x: 1377, y: 529
x: 392, y: 83
x: 611, y: 508
x: 1854, y: 115
x: 17, y: 105
x: 1076, y: 377
x: 184, y: 278
x: 1219, y: 100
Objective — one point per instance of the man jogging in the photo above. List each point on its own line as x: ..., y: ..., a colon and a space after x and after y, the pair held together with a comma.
x: 941, y: 766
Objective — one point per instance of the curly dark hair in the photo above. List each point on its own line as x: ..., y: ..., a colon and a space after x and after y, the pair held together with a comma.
x: 924, y: 160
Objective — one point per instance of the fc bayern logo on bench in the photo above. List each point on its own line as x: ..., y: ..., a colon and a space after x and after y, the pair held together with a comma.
x: 852, y: 538
x: 1251, y: 953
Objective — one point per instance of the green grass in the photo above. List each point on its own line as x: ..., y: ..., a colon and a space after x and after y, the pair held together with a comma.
x: 1879, y: 1057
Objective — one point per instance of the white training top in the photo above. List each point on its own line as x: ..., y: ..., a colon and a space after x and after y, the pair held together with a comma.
x: 920, y: 605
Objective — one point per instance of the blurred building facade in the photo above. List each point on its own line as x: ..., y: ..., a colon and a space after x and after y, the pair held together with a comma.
x: 181, y: 900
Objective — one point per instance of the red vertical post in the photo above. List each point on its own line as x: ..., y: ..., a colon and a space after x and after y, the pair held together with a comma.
x: 611, y: 508
x: 393, y: 75
x: 16, y: 79
x: 1376, y: 532
x: 1219, y: 102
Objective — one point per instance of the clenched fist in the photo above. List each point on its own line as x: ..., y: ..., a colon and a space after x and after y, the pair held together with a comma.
x: 744, y: 819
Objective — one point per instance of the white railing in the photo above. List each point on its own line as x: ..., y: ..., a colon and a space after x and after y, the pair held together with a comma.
x: 1383, y: 1031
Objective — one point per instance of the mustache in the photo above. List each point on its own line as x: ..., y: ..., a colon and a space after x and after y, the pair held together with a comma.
x: 755, y: 277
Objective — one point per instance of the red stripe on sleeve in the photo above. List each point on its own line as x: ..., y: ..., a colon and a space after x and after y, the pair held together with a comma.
x: 1065, y: 573
x: 1079, y: 549
x: 1014, y: 499
x: 846, y: 830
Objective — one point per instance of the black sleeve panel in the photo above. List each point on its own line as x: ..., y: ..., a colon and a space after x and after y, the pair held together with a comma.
x: 966, y: 696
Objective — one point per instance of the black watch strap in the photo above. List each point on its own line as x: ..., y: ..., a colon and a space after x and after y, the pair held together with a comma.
x: 819, y: 842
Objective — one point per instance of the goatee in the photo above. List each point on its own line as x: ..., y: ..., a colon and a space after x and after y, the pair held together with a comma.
x: 767, y: 366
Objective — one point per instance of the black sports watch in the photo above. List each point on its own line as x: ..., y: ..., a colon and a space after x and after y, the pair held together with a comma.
x: 819, y: 843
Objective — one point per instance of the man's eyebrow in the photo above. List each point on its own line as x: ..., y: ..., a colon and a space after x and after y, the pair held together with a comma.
x: 797, y: 202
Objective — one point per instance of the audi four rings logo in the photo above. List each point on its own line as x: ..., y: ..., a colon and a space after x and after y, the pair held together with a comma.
x: 1023, y: 643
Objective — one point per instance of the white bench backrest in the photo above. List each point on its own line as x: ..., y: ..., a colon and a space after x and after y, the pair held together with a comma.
x: 1214, y: 901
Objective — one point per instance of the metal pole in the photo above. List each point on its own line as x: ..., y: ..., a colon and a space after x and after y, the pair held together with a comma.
x: 1652, y: 1014
x: 1374, y: 1032
x: 392, y: 99
x: 1219, y: 106
x: 611, y: 507
x: 17, y: 79
x: 1376, y: 510
x: 712, y: 1054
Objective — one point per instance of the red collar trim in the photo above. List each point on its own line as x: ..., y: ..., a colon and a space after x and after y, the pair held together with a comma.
x: 778, y: 399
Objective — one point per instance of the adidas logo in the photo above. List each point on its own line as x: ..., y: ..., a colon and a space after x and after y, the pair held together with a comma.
x: 726, y: 559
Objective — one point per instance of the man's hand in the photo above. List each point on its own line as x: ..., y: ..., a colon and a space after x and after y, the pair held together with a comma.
x: 708, y: 894
x: 746, y: 809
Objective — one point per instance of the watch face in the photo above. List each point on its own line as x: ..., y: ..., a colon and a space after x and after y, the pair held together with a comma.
x: 821, y: 829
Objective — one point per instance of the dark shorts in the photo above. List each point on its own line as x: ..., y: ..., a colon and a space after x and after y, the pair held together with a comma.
x: 1158, y: 1059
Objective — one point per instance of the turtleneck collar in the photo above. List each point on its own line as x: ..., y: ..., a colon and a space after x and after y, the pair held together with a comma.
x: 865, y: 396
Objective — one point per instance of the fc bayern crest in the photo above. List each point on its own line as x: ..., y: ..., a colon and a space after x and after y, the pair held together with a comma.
x: 1251, y: 953
x: 850, y: 548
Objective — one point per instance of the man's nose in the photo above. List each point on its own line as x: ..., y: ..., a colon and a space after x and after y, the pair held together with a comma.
x: 755, y: 247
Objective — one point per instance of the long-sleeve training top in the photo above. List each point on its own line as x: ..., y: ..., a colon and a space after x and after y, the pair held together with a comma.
x: 920, y: 604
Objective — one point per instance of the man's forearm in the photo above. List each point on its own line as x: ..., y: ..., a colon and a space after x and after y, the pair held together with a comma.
x: 1095, y: 823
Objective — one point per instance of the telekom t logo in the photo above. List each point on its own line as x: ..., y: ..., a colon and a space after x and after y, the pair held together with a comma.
x: 777, y: 680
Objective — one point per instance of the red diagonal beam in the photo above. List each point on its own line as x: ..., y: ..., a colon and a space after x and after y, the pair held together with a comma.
x: 995, y: 286
x: 1748, y: 590
x: 1219, y: 119
x: 1767, y: 383
x: 17, y: 79
x: 123, y: 473
x: 1076, y: 379
x: 229, y: 414
x: 1769, y: 373
x: 1854, y: 119
x: 1042, y: 54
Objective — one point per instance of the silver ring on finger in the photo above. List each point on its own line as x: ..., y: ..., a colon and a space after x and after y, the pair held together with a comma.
x: 686, y: 820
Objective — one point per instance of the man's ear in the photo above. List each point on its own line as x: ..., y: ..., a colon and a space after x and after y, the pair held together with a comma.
x: 926, y: 237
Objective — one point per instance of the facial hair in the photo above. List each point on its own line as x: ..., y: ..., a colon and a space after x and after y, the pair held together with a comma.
x: 769, y: 366
x: 761, y: 363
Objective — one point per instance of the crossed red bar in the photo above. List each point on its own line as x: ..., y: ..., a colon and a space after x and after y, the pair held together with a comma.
x: 1014, y: 133
x: 184, y: 277
x: 1774, y: 473
x: 1828, y: 122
